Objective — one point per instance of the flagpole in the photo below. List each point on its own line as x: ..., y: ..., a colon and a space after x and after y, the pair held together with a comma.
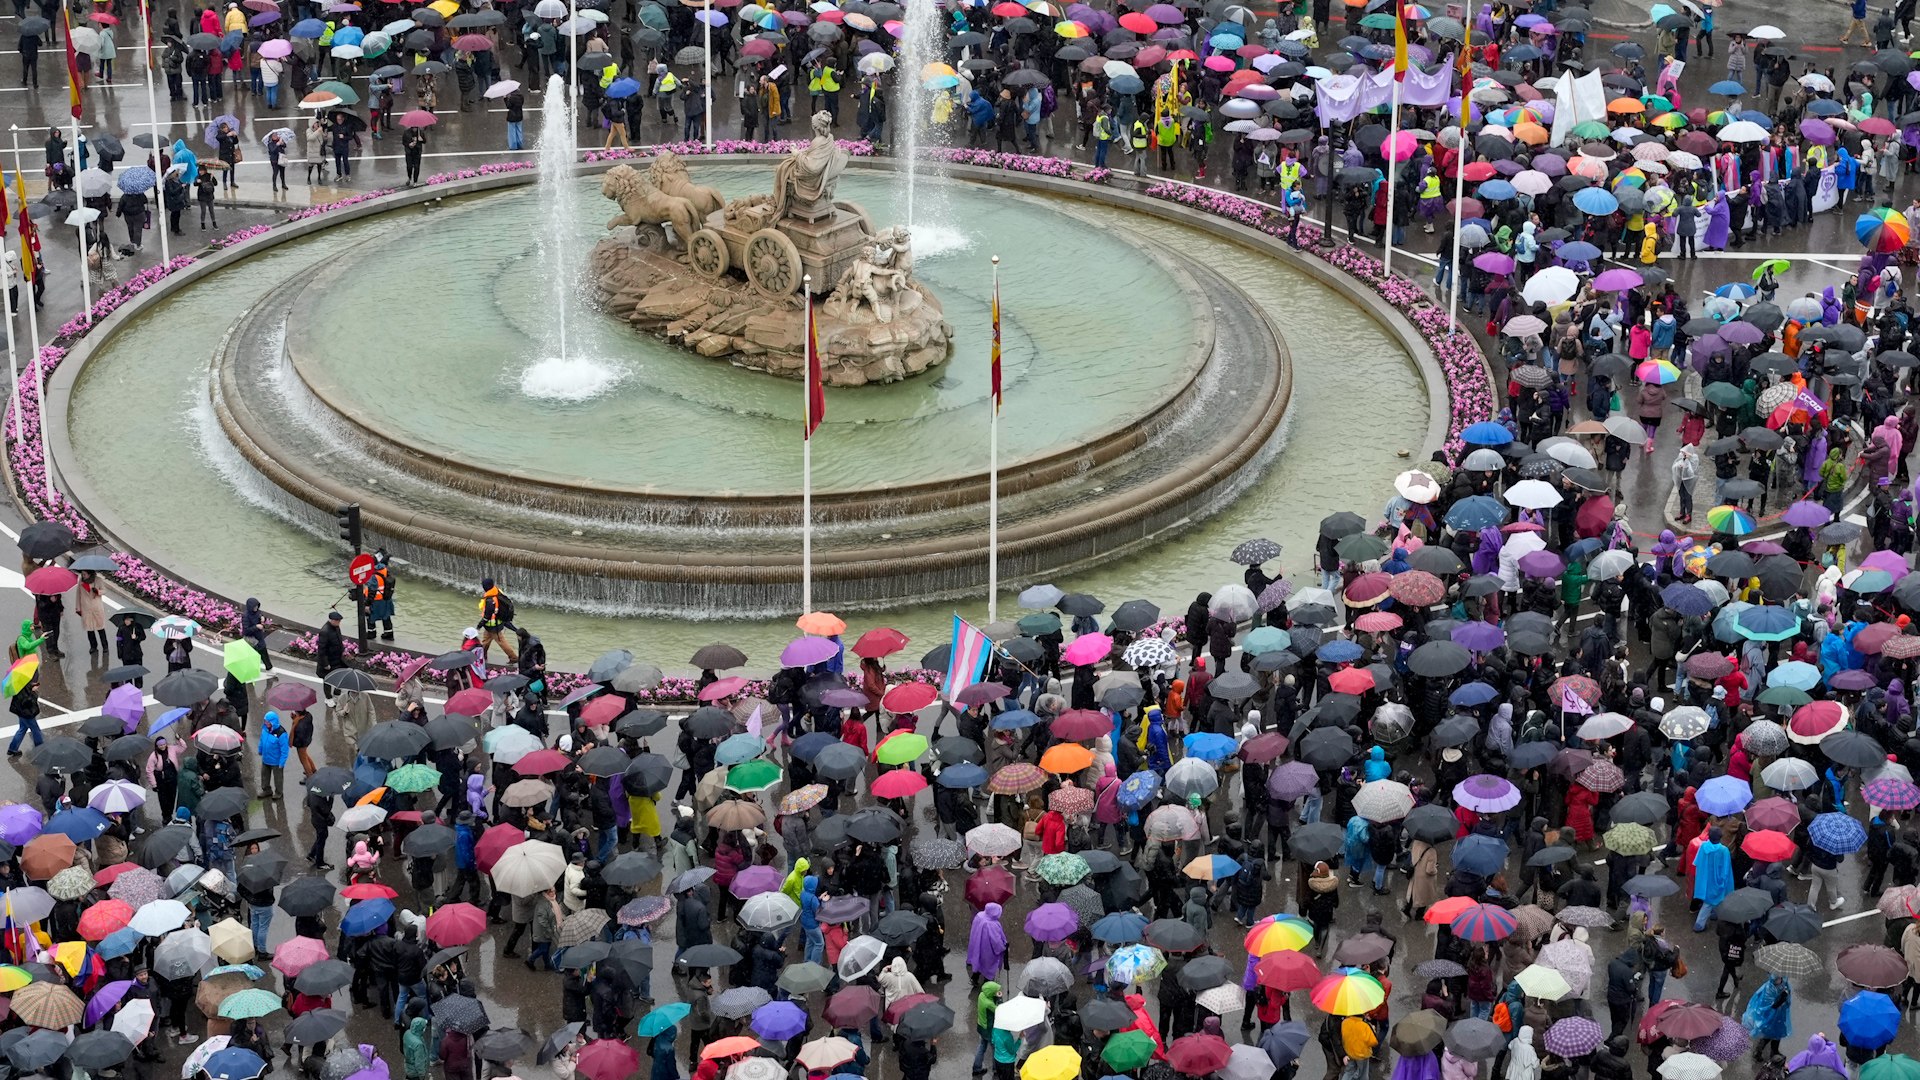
x: 33, y: 337
x: 707, y: 84
x: 6, y: 301
x: 806, y: 459
x: 1393, y: 179
x: 993, y: 467
x: 153, y: 110
x: 1459, y: 186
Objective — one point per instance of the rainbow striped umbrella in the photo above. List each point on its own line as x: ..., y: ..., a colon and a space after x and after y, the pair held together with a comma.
x: 1279, y: 932
x: 1657, y: 372
x: 1730, y: 520
x: 21, y: 674
x: 1670, y: 121
x: 1483, y: 922
x: 1348, y: 992
x: 1882, y: 230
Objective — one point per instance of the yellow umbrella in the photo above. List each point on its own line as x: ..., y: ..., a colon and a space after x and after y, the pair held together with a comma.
x: 71, y: 955
x: 1052, y: 1063
x: 447, y: 8
x: 929, y: 71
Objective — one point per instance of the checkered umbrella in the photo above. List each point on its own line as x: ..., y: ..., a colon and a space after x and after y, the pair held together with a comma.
x: 580, y: 928
x: 1602, y: 776
x: 1892, y: 793
x: 1574, y: 1036
x: 1838, y: 833
x: 1788, y: 959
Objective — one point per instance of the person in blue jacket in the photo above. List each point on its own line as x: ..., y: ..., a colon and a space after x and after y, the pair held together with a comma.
x: 466, y: 866
x: 1712, y: 877
x: 1378, y: 767
x: 273, y: 756
x: 1158, y: 758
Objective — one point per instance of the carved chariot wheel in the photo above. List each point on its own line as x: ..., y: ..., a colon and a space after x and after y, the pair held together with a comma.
x: 707, y: 252
x: 772, y: 263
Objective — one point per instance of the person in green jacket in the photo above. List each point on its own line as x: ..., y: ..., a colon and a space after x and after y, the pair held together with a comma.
x: 28, y: 642
x: 187, y: 792
x: 1006, y: 1053
x: 983, y: 1008
x: 1833, y: 481
x: 419, y: 1051
x: 1571, y: 584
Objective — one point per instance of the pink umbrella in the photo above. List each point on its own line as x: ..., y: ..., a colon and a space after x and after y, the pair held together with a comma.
x: 1088, y: 649
x: 470, y: 702
x: 472, y: 43
x: 297, y: 954
x: 722, y: 688
x: 1219, y: 62
x: 1618, y: 279
x: 418, y: 118
x: 1400, y: 146
x: 277, y: 49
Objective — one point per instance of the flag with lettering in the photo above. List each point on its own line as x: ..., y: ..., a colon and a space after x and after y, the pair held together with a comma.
x: 816, y: 377
x: 995, y: 362
x: 968, y: 663
x: 1400, y: 62
x: 73, y: 66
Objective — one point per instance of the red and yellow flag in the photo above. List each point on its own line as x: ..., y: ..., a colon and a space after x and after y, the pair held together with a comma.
x: 1465, y: 63
x: 816, y: 377
x: 1400, y: 40
x: 995, y: 362
x: 29, y: 236
x: 73, y: 66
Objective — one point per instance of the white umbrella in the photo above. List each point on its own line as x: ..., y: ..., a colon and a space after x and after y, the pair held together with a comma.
x: 1552, y: 285
x: 93, y: 183
x: 1116, y: 68
x: 362, y: 818
x: 1383, y: 800
x: 1767, y: 32
x: 768, y: 911
x: 83, y: 215
x: 160, y: 917
x: 1605, y: 726
x: 510, y: 743
x: 1240, y: 109
x: 1020, y: 1013
x: 1743, y: 131
x: 1542, y: 982
x: 993, y: 839
x: 1235, y: 602
x: 1532, y: 182
x: 1625, y: 428
x: 1238, y: 127
x: 1533, y: 495
x: 501, y: 89
x: 1484, y: 460
x: 1789, y: 774
x: 1417, y: 487
x: 1313, y: 597
x: 529, y: 867
x: 1568, y: 453
x: 134, y: 1020
x: 550, y: 9
x: 1245, y: 1061
x: 1685, y: 722
x: 1609, y: 564
x: 1473, y: 237
x: 1680, y: 159
x: 198, y: 1059
x: 183, y: 953
x: 1192, y: 776
x: 117, y: 797
x: 1523, y: 325
x: 1690, y: 1066
x: 348, y: 52
x: 85, y: 39
x: 859, y: 956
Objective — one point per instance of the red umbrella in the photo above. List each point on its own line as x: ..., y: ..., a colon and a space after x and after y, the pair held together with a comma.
x: 1594, y: 516
x: 369, y: 890
x: 899, y: 784
x: 1767, y: 845
x: 1351, y: 681
x: 472, y: 43
x: 599, y: 711
x: 899, y: 1008
x: 104, y: 918
x: 455, y: 924
x: 908, y: 697
x: 494, y: 843
x: 1687, y: 1020
x: 542, y: 762
x: 1076, y: 725
x: 607, y: 1059
x: 1138, y: 23
x: 852, y: 1007
x: 51, y: 581
x: 1198, y: 1055
x: 993, y: 885
x: 882, y: 641
x: 418, y: 118
x: 107, y: 876
x: 1284, y: 969
x: 470, y: 702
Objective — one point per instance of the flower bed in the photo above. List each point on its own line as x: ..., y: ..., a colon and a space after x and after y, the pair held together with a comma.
x: 1469, y: 394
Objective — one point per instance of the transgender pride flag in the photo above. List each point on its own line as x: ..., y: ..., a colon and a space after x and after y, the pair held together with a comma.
x: 969, y: 660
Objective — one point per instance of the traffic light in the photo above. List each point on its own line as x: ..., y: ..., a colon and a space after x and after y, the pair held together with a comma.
x: 347, y: 517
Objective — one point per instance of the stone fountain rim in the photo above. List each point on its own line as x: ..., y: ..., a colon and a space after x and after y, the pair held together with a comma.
x: 557, y: 492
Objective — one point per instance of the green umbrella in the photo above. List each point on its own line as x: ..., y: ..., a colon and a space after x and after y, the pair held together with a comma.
x: 901, y: 749
x: 1891, y: 1067
x: 1726, y: 395
x: 1265, y: 639
x: 1363, y: 546
x: 1039, y: 624
x: 1128, y: 1050
x: 414, y: 777
x: 250, y: 1004
x: 1063, y: 868
x: 1591, y: 129
x: 243, y: 661
x: 753, y: 775
x: 346, y: 94
x: 1379, y: 20
x: 1629, y: 839
x: 1787, y: 697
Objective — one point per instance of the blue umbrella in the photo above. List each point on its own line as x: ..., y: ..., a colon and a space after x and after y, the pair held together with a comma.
x: 1476, y: 512
x: 232, y: 41
x: 235, y: 1063
x: 1581, y: 550
x: 1840, y: 834
x: 1767, y: 624
x: 1825, y: 107
x: 311, y: 29
x: 1727, y: 88
x: 1869, y: 1020
x: 120, y: 943
x: 1473, y: 693
x: 349, y: 35
x: 366, y: 916
x: 1736, y: 290
x: 137, y: 179
x: 1127, y: 84
x: 622, y: 88
x: 167, y: 719
x: 1486, y: 433
x: 1208, y: 746
x: 1015, y: 720
x: 963, y: 775
x: 1595, y: 201
x: 1120, y: 928
x: 1795, y: 673
x: 1685, y: 599
x: 777, y: 1021
x: 1282, y: 1042
x: 213, y: 128
x: 739, y: 748
x: 79, y: 824
x: 1232, y: 30
x: 1578, y: 251
x: 1754, y: 116
x: 1225, y: 42
x: 1723, y: 795
x: 662, y: 1018
x: 1139, y: 789
x: 1479, y: 854
x: 1339, y: 651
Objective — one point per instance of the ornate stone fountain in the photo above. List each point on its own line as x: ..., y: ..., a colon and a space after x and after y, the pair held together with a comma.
x: 725, y: 278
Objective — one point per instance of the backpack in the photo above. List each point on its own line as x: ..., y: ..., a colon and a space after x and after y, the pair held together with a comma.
x: 1503, y: 1017
x: 1047, y: 100
x: 504, y: 610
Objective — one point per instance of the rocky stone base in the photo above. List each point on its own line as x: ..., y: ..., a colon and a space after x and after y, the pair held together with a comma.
x: 729, y: 320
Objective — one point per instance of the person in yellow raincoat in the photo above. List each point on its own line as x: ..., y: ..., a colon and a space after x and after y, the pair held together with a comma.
x: 644, y: 817
x: 1650, y: 246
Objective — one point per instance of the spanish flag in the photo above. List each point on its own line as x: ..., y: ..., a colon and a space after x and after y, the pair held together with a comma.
x: 1400, y: 40
x: 995, y: 362
x: 73, y: 66
x: 29, y: 236
x: 1465, y: 63
x: 816, y: 377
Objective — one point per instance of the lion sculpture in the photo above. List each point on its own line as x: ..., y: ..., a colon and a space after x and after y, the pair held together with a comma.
x: 669, y: 173
x: 642, y: 203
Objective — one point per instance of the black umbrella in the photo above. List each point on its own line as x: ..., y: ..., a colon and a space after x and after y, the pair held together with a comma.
x: 1325, y: 748
x: 35, y: 1050
x: 1476, y: 1040
x: 1454, y: 731
x: 1651, y: 885
x: 324, y: 977
x: 647, y: 774
x: 124, y: 673
x: 840, y: 761
x: 352, y: 680
x: 446, y: 956
x: 874, y: 825
x: 1105, y: 1014
x: 1794, y: 922
x: 262, y: 871
x: 641, y: 723
x: 1438, y: 659
x: 1135, y: 616
x: 130, y: 617
x: 503, y: 1045
x: 34, y: 24
x: 603, y: 761
x: 584, y: 955
x: 164, y: 845
x: 428, y: 841
x: 1640, y: 808
x: 97, y: 1051
x: 256, y: 836
x: 1744, y: 905
x: 708, y: 722
x: 1551, y: 856
x: 222, y: 803
x: 1853, y: 748
x: 558, y: 1041
x: 1122, y: 698
x: 924, y: 1021
x: 306, y: 896
x: 316, y: 1027
x: 186, y: 688
x: 1024, y: 649
x: 608, y: 664
x: 101, y: 727
x: 709, y: 955
x: 393, y: 740
x: 330, y: 780
x: 45, y: 540
x: 1081, y: 604
x: 449, y: 732
x: 718, y: 657
x: 1203, y: 973
x: 1233, y: 686
x: 461, y: 1013
x: 631, y: 868
x: 1532, y: 755
x: 937, y: 658
x: 1431, y: 823
x: 1318, y: 841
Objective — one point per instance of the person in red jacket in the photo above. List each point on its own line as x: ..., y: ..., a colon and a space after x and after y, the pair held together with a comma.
x: 1053, y: 832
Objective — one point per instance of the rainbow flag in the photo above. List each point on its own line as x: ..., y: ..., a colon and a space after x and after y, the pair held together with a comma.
x: 995, y: 362
x: 816, y: 377
x: 968, y: 663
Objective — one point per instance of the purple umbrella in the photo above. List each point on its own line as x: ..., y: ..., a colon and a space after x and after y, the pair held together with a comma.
x: 20, y: 823
x: 844, y: 909
x: 1509, y: 167
x: 1166, y: 15
x: 1573, y: 1036
x: 1485, y: 793
x: 755, y: 880
x: 1740, y: 333
x: 264, y: 18
x: 1807, y: 515
x: 1817, y: 130
x: 1052, y: 922
x: 1493, y: 262
x: 1542, y: 564
x: 105, y: 999
x: 778, y: 1021
x: 1617, y: 279
x: 1292, y: 780
x: 1478, y: 636
x: 806, y: 651
x: 1552, y: 164
x: 123, y: 704
x: 1727, y: 1045
x: 1851, y: 679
